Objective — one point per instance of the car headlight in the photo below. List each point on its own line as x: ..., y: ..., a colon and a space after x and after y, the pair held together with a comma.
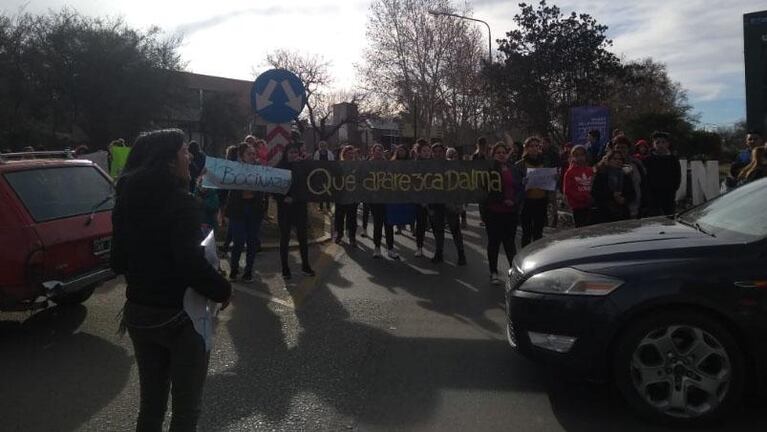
x: 572, y: 282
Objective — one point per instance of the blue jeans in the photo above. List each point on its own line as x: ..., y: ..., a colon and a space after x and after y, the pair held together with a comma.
x: 245, y: 234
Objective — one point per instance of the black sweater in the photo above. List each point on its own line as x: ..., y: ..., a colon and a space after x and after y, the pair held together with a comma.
x: 664, y: 174
x: 156, y: 245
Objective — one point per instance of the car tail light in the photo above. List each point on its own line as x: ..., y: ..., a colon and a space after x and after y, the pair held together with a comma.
x: 36, y: 268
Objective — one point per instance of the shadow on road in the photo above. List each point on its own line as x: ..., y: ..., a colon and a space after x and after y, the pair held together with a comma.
x: 50, y: 370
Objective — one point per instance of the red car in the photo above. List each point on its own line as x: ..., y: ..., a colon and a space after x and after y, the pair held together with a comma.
x: 55, y: 230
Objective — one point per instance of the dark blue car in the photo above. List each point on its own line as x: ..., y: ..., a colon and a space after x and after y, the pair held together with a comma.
x: 672, y: 310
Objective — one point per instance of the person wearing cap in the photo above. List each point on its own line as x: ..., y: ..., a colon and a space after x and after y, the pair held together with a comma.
x: 577, y: 186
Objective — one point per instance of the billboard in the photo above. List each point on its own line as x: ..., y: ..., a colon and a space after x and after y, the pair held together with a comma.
x: 755, y: 50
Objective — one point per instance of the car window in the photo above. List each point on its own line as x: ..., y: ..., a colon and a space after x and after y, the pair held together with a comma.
x: 740, y: 213
x: 53, y: 193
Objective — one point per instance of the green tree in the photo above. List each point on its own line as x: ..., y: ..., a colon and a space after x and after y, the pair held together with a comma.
x: 73, y: 79
x: 550, y: 63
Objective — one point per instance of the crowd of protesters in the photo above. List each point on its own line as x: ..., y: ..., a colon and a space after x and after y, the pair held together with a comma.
x: 600, y: 181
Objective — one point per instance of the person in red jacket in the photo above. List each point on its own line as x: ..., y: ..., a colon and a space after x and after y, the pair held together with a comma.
x: 577, y: 186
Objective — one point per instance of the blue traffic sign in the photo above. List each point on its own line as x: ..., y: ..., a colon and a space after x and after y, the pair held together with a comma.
x: 278, y: 96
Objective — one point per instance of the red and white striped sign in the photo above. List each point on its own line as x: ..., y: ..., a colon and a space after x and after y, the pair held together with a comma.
x: 277, y: 138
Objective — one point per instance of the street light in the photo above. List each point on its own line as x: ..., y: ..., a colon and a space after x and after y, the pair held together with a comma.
x: 489, y: 37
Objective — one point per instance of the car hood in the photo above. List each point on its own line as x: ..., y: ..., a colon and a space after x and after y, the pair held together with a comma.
x: 644, y: 239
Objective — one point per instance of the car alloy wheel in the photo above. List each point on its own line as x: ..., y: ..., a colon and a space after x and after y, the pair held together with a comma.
x: 682, y: 371
x: 681, y: 367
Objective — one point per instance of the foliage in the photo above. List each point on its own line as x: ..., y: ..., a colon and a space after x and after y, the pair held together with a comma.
x: 68, y: 79
x: 550, y: 62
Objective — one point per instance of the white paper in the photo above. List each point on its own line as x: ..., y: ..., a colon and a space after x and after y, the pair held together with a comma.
x: 541, y: 178
x: 200, y: 309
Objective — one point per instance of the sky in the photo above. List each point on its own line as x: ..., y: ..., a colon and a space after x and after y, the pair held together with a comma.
x: 701, y: 41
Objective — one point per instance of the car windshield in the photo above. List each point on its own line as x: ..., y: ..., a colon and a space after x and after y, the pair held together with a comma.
x: 740, y: 214
x: 54, y: 193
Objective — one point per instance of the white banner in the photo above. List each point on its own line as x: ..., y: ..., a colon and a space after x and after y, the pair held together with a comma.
x: 541, y: 178
x: 225, y: 174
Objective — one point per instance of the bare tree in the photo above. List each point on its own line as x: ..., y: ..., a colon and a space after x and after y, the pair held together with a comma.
x: 426, y: 66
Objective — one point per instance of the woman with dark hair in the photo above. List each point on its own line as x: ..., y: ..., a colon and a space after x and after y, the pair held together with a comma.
x: 245, y: 210
x: 156, y: 245
x: 292, y: 214
x: 346, y: 214
x: 502, y: 210
x: 613, y: 188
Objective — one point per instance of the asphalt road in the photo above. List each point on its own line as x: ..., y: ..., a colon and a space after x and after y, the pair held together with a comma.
x: 368, y: 345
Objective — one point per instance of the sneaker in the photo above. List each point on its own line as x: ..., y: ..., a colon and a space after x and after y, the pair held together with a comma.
x: 377, y: 253
x: 393, y: 255
x: 437, y: 258
x: 307, y: 271
x: 286, y: 274
x: 419, y: 252
x: 495, y: 280
x: 247, y: 277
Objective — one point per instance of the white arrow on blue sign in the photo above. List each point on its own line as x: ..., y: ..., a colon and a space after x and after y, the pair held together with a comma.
x: 278, y: 96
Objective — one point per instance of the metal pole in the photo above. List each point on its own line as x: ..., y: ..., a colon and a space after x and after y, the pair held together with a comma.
x: 489, y: 36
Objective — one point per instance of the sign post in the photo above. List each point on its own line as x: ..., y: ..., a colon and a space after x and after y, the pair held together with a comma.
x: 277, y: 96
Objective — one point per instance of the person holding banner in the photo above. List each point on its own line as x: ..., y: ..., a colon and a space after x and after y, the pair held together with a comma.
x: 292, y: 214
x: 346, y: 214
x: 502, y: 210
x: 442, y: 214
x: 156, y: 245
x: 423, y: 152
x: 379, y: 216
x: 245, y: 210
x: 223, y: 194
x: 534, y: 209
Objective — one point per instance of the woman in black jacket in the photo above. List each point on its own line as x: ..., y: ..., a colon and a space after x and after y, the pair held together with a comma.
x: 156, y: 245
x: 613, y: 188
x: 292, y: 214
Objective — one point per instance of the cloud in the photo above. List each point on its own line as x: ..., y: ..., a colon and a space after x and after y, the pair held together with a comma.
x: 192, y: 27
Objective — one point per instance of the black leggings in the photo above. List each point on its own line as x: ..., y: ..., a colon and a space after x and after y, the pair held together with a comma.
x: 291, y: 216
x: 533, y: 219
x: 346, y: 214
x: 171, y: 358
x: 379, y: 223
x: 439, y: 218
x: 366, y: 210
x: 501, y: 229
x: 421, y: 219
